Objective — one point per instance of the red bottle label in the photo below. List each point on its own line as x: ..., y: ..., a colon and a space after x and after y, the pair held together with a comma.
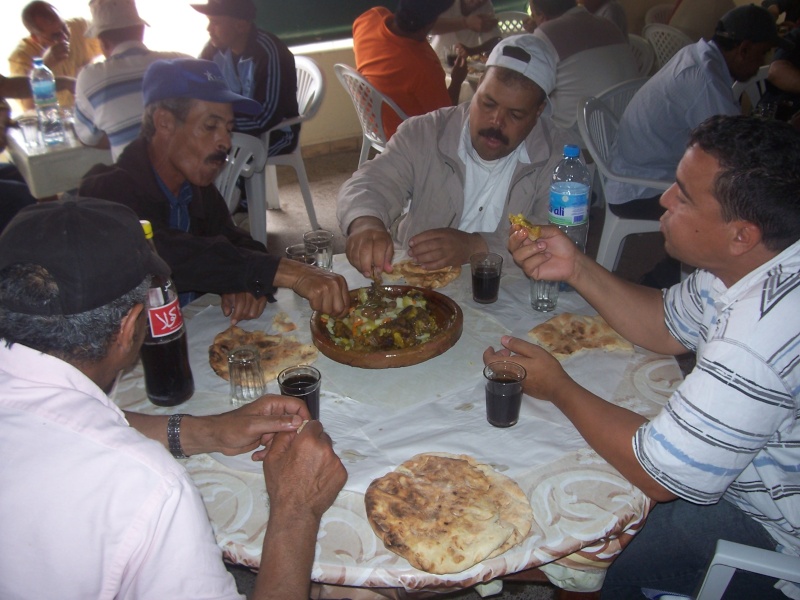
x: 165, y: 319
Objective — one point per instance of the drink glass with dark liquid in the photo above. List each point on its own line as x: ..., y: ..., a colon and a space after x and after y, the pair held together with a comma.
x: 503, y: 392
x: 486, y: 270
x: 302, y: 382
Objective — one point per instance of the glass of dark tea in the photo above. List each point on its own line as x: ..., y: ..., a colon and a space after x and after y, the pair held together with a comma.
x: 503, y: 392
x: 486, y: 270
x: 302, y: 382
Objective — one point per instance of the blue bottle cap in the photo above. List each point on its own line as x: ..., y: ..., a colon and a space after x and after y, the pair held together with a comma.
x: 572, y: 151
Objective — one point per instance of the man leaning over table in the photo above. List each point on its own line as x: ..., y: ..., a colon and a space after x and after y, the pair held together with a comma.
x: 90, y: 492
x: 167, y: 177
x: 721, y: 458
x: 447, y: 181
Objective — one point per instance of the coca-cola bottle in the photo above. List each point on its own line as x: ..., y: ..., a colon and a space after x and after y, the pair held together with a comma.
x: 165, y: 355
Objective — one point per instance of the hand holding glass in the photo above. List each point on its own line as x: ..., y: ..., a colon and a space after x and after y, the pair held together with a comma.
x: 302, y: 382
x: 503, y: 392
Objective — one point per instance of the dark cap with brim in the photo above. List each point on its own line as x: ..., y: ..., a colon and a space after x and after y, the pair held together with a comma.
x: 192, y: 78
x: 95, y: 250
x: 238, y: 9
x: 750, y: 23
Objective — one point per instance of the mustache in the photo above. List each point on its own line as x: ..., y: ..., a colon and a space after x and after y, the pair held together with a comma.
x: 494, y: 134
x: 217, y: 157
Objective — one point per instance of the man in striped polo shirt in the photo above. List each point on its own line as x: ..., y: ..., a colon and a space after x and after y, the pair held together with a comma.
x: 108, y: 103
x: 723, y: 456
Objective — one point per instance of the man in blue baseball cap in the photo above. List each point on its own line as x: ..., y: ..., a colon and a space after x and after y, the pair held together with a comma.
x: 167, y: 177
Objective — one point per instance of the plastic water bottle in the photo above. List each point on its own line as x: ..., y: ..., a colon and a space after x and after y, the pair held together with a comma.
x: 570, y: 193
x: 43, y: 85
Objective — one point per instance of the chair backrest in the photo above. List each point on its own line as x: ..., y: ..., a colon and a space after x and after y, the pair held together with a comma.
x: 247, y: 156
x: 310, y: 87
x: 511, y: 22
x: 643, y: 52
x: 753, y: 88
x: 368, y: 102
x: 660, y: 13
x: 598, y: 127
x: 617, y: 97
x: 666, y: 41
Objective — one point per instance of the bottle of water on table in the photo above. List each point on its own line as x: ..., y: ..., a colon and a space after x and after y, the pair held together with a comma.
x: 43, y: 86
x: 570, y: 195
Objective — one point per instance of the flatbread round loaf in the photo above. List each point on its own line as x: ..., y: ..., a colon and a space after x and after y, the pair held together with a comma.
x: 569, y: 335
x: 445, y: 513
x: 277, y: 352
x: 419, y: 277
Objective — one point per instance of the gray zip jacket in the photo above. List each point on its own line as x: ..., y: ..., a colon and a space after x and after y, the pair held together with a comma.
x: 420, y: 170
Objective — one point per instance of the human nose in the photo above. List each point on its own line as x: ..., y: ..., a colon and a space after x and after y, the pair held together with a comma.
x: 225, y: 140
x: 667, y: 199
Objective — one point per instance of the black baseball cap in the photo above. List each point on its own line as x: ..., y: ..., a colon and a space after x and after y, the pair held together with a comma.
x: 416, y: 14
x: 238, y: 9
x: 751, y: 23
x: 95, y: 250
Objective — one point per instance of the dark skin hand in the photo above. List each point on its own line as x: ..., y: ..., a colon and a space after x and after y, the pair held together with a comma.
x: 242, y: 306
x: 438, y: 248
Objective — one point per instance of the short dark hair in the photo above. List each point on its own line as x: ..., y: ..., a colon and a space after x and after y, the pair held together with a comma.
x: 36, y: 10
x: 82, y: 337
x: 759, y: 178
x: 179, y: 107
x: 726, y: 44
x: 552, y: 8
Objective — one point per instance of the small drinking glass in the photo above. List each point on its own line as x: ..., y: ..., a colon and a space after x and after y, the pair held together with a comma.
x: 246, y: 376
x: 323, y: 240
x: 544, y: 295
x: 486, y: 270
x: 302, y: 382
x: 29, y: 126
x: 503, y: 392
x: 304, y: 253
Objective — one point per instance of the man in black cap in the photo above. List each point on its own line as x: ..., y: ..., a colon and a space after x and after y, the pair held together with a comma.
x: 256, y: 64
x: 83, y: 489
x: 167, y: 177
x: 393, y: 53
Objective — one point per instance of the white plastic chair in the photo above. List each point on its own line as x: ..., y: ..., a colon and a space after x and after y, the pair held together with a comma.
x: 666, y: 41
x: 753, y: 88
x: 730, y: 557
x: 617, y: 97
x: 598, y: 128
x: 246, y: 158
x: 369, y: 104
x: 660, y: 13
x: 643, y: 52
x: 511, y: 22
x: 310, y: 92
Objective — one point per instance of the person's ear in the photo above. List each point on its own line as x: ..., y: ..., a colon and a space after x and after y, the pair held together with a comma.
x: 164, y: 120
x: 746, y: 236
x: 128, y: 329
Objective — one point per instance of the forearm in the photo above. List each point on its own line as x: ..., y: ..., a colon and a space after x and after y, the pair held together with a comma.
x: 784, y: 76
x: 635, y: 311
x: 454, y: 91
x: 287, y: 555
x: 609, y: 430
x: 195, y: 434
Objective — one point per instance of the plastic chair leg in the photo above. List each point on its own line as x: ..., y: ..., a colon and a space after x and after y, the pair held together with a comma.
x: 271, y: 187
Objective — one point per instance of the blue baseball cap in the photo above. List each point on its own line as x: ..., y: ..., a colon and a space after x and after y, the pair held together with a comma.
x: 192, y: 78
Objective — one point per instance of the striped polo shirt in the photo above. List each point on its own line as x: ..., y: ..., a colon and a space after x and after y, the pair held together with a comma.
x: 108, y: 96
x: 731, y: 429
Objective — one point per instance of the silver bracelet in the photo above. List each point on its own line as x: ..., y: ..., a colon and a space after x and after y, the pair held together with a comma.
x: 174, y: 435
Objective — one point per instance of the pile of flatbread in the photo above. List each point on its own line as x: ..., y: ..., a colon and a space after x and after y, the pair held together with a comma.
x: 277, y: 352
x: 419, y: 277
x: 445, y: 513
x: 570, y: 335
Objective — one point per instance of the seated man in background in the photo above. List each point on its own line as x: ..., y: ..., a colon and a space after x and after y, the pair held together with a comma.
x: 256, y: 64
x: 108, y: 103
x: 592, y: 52
x: 721, y: 457
x: 393, y: 53
x: 783, y: 80
x: 448, y: 180
x: 691, y: 87
x: 63, y: 46
x: 471, y: 23
x: 609, y: 9
x: 167, y: 177
x: 113, y: 514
